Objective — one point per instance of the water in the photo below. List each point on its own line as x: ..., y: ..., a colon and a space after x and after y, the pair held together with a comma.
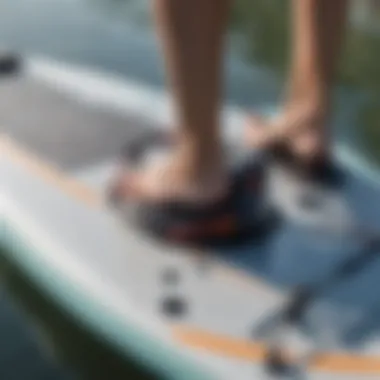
x: 65, y: 350
x: 117, y: 36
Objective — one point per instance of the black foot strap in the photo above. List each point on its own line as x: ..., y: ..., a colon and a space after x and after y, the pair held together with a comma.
x: 233, y: 217
x: 321, y: 170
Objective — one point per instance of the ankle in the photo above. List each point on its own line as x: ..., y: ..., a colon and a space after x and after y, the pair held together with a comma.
x: 199, y: 159
x: 299, y: 116
x: 314, y: 99
x: 204, y: 148
x: 310, y: 110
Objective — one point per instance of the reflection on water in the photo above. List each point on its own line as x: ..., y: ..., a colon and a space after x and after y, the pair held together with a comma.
x: 117, y: 35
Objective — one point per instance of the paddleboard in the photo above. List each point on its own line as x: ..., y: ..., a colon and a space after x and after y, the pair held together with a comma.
x: 184, y: 313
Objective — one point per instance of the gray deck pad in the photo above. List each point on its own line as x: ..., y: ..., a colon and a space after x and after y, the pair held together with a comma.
x: 60, y: 154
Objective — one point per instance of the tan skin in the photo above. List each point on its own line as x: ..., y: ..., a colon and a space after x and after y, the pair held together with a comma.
x: 192, y: 35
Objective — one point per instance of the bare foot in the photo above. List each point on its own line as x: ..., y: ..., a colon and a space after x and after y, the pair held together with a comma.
x: 300, y: 129
x: 182, y: 175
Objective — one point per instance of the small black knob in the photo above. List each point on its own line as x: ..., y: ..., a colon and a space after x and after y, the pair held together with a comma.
x: 174, y: 307
x: 275, y: 364
x: 9, y: 63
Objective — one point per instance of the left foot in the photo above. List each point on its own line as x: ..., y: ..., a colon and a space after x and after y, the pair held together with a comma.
x: 299, y: 129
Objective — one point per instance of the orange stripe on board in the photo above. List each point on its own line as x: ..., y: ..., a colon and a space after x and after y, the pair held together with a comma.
x: 235, y: 348
x: 219, y: 344
x: 347, y: 363
x: 49, y: 173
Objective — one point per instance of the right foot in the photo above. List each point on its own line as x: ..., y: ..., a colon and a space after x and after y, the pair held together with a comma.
x: 181, y: 176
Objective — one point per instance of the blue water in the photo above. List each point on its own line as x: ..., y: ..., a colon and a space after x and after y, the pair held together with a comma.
x: 21, y: 351
x: 40, y: 342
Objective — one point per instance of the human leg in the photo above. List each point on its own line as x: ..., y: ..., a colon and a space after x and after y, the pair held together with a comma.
x: 191, y: 33
x: 317, y: 31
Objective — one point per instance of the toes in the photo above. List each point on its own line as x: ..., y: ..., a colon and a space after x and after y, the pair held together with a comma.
x: 255, y: 121
x: 256, y: 133
x: 126, y: 188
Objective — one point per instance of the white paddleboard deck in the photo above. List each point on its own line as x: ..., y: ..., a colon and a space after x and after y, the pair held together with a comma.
x: 58, y: 154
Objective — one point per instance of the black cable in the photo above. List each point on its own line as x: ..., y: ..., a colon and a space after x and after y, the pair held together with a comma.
x: 353, y: 265
x: 304, y: 296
